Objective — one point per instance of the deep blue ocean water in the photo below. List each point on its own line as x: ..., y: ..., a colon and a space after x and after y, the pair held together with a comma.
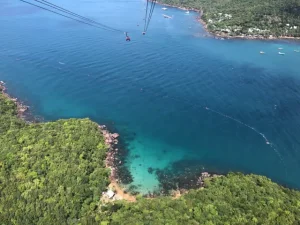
x: 174, y: 95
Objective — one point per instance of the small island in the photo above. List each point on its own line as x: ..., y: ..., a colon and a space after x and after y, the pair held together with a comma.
x: 57, y: 173
x: 246, y: 19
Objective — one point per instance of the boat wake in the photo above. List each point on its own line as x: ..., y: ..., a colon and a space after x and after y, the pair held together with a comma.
x: 272, y: 146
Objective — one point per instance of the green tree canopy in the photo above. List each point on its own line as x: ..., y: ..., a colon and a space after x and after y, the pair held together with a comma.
x: 227, y: 200
x: 248, y: 17
x: 54, y: 173
x: 50, y: 173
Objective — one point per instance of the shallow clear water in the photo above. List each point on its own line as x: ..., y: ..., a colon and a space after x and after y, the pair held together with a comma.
x: 174, y: 95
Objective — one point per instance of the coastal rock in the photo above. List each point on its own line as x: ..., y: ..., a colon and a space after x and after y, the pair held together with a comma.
x: 2, y: 87
x: 108, y: 140
x: 205, y: 174
x: 102, y: 126
x: 112, y: 160
x: 115, y: 135
x: 21, y: 108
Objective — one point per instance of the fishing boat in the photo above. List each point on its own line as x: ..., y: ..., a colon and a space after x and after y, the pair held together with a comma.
x: 166, y: 16
x: 296, y: 50
x: 281, y: 53
x: 164, y: 8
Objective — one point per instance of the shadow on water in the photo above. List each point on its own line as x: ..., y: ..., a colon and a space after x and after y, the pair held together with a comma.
x: 182, y: 174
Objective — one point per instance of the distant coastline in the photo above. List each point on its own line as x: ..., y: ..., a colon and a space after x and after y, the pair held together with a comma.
x: 220, y: 35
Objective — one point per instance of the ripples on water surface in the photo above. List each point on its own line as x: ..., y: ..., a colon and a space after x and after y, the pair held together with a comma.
x: 175, y: 96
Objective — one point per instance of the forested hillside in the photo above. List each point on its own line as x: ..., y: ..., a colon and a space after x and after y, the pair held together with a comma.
x: 228, y: 200
x: 54, y: 173
x: 50, y: 173
x: 254, y: 18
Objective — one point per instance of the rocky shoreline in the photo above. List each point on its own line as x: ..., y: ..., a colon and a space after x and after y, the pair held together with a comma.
x: 111, y: 157
x: 179, y: 7
x: 178, y: 179
x: 112, y: 161
x: 115, y: 163
x: 191, y: 180
x: 21, y: 107
x: 181, y: 183
x: 222, y: 35
x: 116, y: 157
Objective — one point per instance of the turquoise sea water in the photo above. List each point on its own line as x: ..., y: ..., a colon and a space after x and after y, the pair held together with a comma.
x: 175, y: 96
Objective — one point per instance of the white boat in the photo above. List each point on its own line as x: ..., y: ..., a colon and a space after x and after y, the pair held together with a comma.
x: 187, y: 12
x: 280, y: 48
x: 61, y: 63
x: 166, y: 16
x: 164, y: 8
x: 281, y: 53
x: 296, y: 50
x: 261, y: 52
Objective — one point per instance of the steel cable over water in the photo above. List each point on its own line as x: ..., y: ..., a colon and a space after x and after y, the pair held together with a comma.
x: 146, y: 16
x: 76, y: 17
x: 75, y: 14
x: 83, y: 20
x: 153, y: 3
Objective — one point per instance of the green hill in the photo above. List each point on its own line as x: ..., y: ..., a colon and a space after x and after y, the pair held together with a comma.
x: 54, y: 173
x: 248, y: 17
x: 228, y: 200
x: 50, y: 173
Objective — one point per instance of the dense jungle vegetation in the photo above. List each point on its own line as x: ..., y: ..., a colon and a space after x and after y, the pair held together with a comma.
x: 54, y: 173
x: 50, y: 173
x: 248, y: 17
x: 228, y: 200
